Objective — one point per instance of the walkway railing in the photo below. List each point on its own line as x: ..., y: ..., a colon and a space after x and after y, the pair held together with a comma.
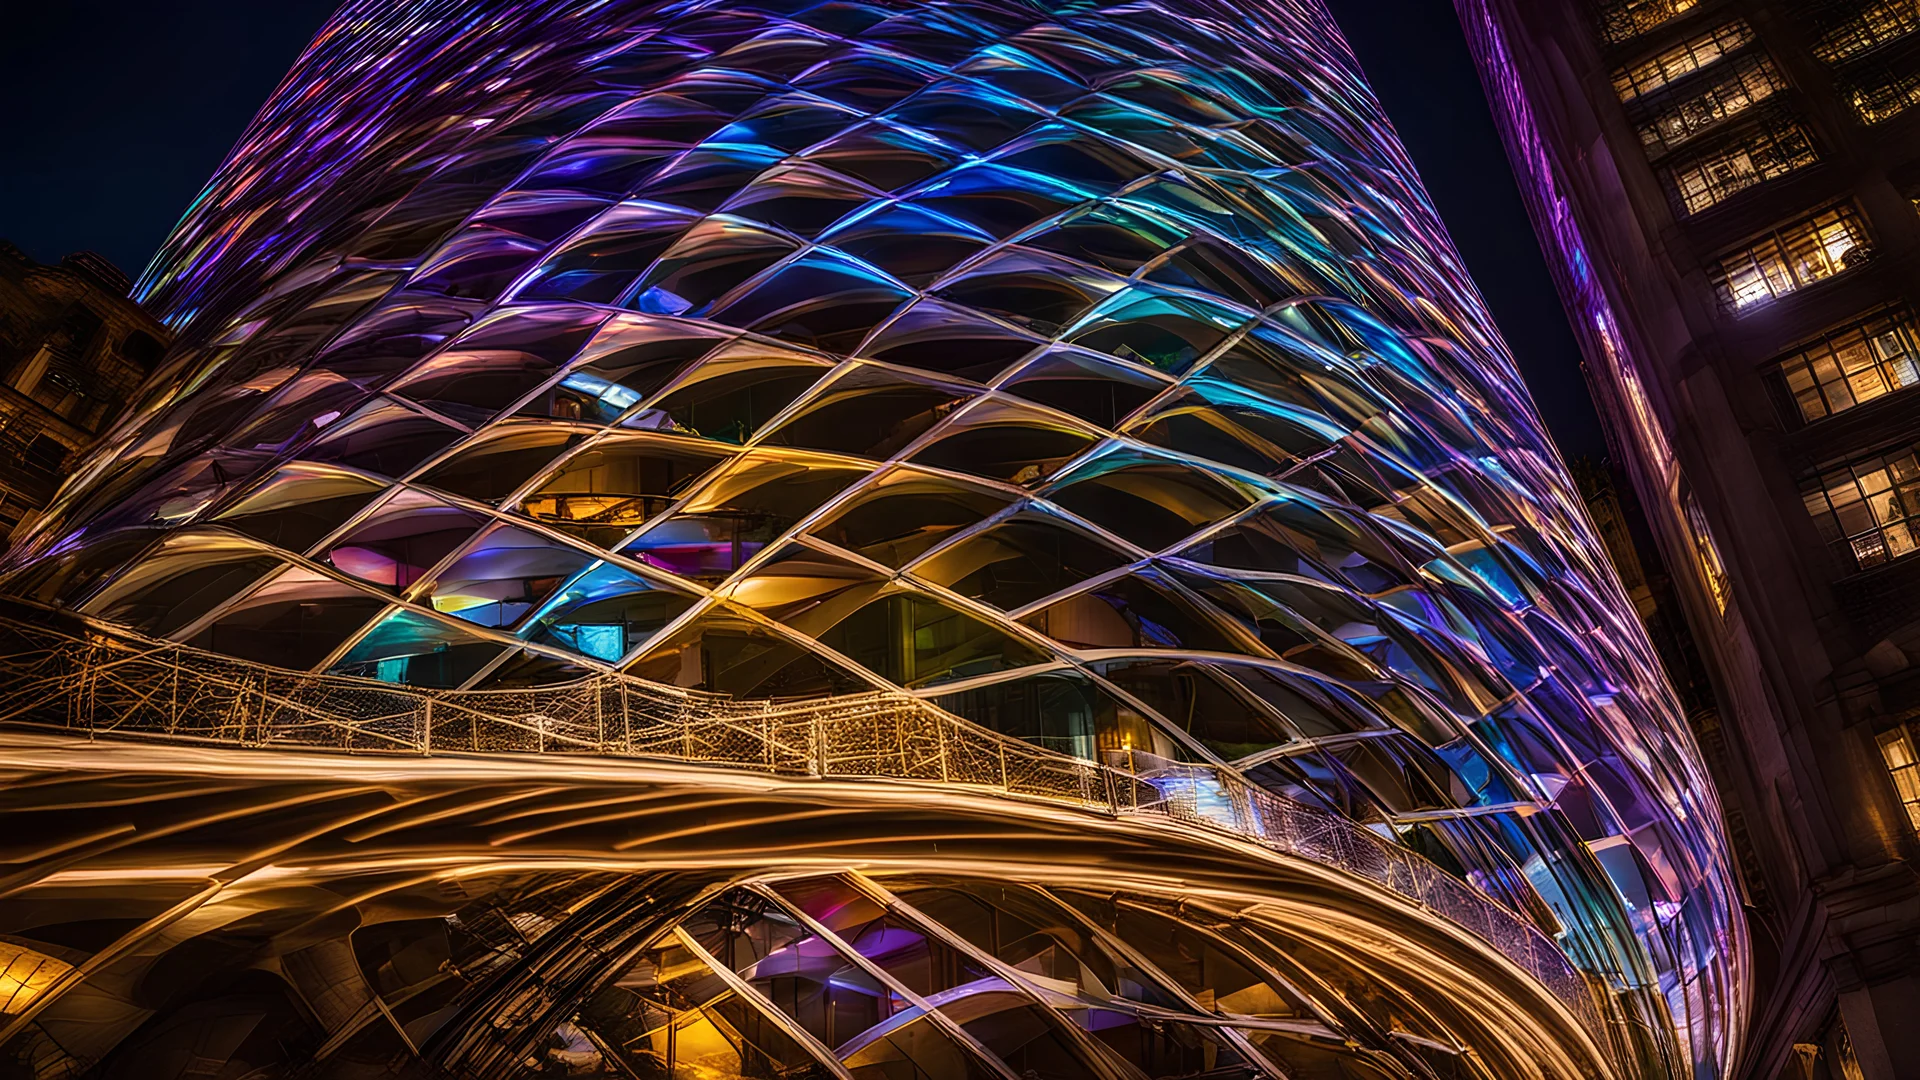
x: 104, y: 682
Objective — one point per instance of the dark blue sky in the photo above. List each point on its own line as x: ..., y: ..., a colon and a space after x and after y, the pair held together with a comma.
x: 1417, y: 61
x: 119, y: 111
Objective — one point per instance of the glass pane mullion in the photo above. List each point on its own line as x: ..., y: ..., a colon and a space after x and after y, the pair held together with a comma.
x: 767, y: 1009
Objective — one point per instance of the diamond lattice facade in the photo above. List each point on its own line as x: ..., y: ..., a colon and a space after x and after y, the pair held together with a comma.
x: 1096, y: 375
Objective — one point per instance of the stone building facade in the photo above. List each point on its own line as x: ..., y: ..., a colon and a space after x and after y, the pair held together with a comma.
x: 1725, y: 190
x: 73, y: 349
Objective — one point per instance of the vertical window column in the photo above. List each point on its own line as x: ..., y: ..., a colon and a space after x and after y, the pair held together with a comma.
x: 1896, y: 749
x: 1713, y: 570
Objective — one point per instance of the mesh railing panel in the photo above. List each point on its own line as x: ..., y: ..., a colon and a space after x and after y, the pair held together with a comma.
x: 103, y: 683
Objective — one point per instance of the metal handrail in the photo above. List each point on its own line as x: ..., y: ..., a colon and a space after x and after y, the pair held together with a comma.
x: 104, y: 681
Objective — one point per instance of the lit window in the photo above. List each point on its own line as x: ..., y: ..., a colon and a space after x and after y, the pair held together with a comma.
x: 1750, y: 81
x: 1635, y: 80
x: 1854, y: 365
x: 1897, y: 750
x: 1773, y: 147
x: 1877, y: 24
x: 1879, y: 91
x: 1868, y: 509
x: 1624, y: 20
x: 1707, y: 555
x: 1790, y: 257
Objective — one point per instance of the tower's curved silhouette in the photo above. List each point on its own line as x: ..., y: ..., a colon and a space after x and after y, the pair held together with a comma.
x: 1097, y: 374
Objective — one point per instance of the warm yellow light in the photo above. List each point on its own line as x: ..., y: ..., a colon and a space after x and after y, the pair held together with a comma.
x: 25, y: 975
x: 1897, y: 750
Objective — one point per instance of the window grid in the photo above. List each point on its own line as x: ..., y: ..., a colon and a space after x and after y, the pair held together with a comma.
x: 1656, y: 72
x: 1896, y: 749
x: 1867, y: 509
x: 1790, y: 258
x: 1879, y: 92
x: 1882, y: 22
x: 1771, y: 148
x: 1752, y: 81
x: 1624, y: 20
x: 1853, y: 365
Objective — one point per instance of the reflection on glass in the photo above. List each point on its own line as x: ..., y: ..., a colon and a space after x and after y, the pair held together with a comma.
x: 1063, y: 711
x: 503, y: 575
x: 1853, y: 365
x: 399, y: 542
x: 1151, y: 501
x: 918, y: 641
x: 753, y: 500
x: 1211, y: 971
x: 907, y: 512
x: 1864, y: 507
x: 416, y: 650
x: 293, y: 620
x: 298, y: 505
x: 669, y: 1016
x: 615, y: 485
x: 606, y: 613
x: 877, y: 1033
x: 1019, y: 560
x: 724, y: 651
x: 1789, y: 258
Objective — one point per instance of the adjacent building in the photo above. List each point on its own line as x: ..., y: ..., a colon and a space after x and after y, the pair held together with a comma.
x: 73, y: 348
x: 1622, y: 524
x: 1726, y: 190
x: 880, y: 540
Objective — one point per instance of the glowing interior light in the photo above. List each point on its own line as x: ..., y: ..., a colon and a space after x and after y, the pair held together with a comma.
x: 25, y: 975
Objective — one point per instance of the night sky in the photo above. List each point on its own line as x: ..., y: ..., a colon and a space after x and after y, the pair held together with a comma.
x: 120, y: 110
x: 1417, y: 62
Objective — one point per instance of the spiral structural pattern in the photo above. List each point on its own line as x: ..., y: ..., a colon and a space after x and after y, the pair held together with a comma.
x: 1097, y: 373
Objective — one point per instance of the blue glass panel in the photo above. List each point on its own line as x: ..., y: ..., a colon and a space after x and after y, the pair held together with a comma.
x: 502, y: 576
x: 416, y: 650
x: 605, y: 613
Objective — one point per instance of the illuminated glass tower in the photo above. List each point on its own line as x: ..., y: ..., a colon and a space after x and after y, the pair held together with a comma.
x: 1091, y: 386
